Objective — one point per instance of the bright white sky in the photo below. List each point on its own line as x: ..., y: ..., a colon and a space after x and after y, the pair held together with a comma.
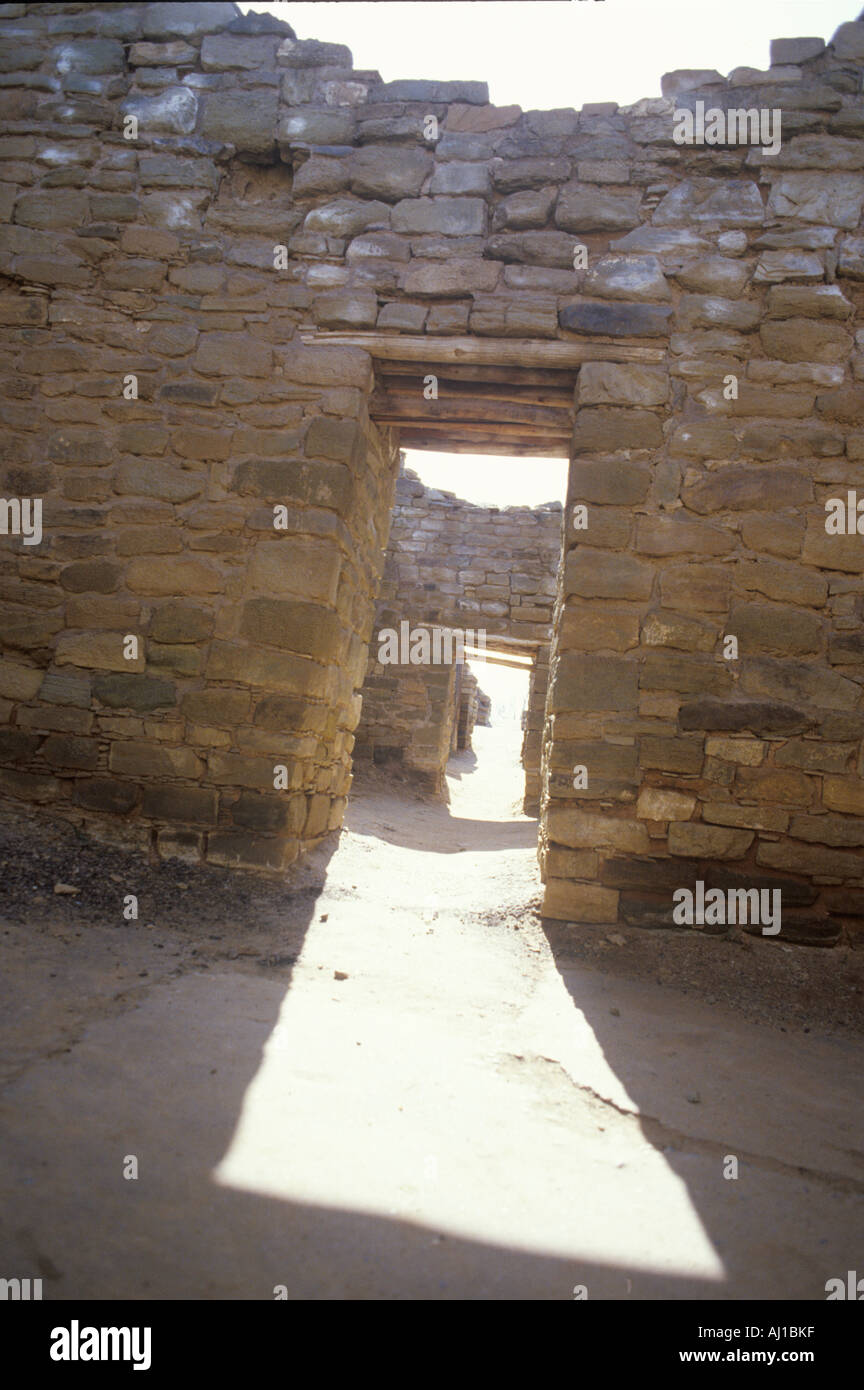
x: 543, y: 54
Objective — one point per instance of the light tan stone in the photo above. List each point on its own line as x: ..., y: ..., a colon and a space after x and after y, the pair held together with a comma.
x: 695, y: 840
x: 661, y: 803
x: 567, y: 901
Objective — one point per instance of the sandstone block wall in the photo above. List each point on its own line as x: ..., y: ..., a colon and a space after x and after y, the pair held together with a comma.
x: 461, y: 566
x: 271, y: 195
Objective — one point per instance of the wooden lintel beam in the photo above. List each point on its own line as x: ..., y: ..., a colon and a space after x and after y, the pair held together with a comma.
x: 387, y: 409
x: 517, y: 352
x: 497, y: 659
x: 404, y: 388
x: 487, y: 428
x: 559, y: 378
x: 538, y: 447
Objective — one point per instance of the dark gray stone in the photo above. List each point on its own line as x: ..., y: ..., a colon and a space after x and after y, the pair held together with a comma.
x: 326, y: 125
x: 263, y: 23
x: 346, y: 217
x: 245, y: 120
x: 450, y: 216
x: 512, y: 175
x: 167, y: 21
x: 616, y: 320
x: 172, y: 112
x: 129, y: 691
x: 379, y: 171
x: 312, y: 53
x: 756, y: 717
x: 472, y: 93
x: 552, y: 249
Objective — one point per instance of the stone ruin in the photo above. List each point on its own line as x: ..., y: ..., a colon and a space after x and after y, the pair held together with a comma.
x: 469, y: 569
x: 232, y: 269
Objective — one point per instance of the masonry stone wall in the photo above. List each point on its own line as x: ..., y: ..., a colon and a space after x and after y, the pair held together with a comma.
x: 169, y: 385
x: 464, y: 567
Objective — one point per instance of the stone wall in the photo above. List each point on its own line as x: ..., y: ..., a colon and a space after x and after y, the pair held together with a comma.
x: 169, y: 387
x: 462, y: 566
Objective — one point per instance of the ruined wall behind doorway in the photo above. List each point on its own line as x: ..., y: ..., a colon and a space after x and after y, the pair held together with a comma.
x: 462, y: 566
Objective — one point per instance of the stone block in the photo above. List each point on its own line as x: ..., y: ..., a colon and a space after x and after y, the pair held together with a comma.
x: 830, y: 552
x: 720, y: 202
x: 696, y: 840
x: 637, y: 279
x: 478, y: 119
x: 715, y: 275
x: 106, y: 795
x: 671, y: 754
x: 789, y: 786
x: 382, y: 171
x: 248, y: 849
x: 138, y: 759
x: 806, y: 340
x: 616, y: 483
x: 786, y: 583
x: 740, y: 487
x: 578, y: 829
x: 768, y: 627
x: 182, y: 574
x: 668, y: 629
x: 304, y: 567
x: 830, y: 199
x: 567, y: 901
x: 593, y: 575
x: 346, y: 217
x: 795, y: 51
x: 403, y: 318
x: 61, y: 207
x: 136, y: 692
x: 696, y: 588
x: 839, y: 831
x: 518, y: 212
x: 809, y: 859
x: 101, y: 651
x: 609, y: 383
x: 227, y: 52
x: 615, y: 320
x: 305, y: 628
x: 844, y: 794
x: 269, y: 813
x: 451, y: 277
x: 685, y: 674
x: 664, y: 535
x: 770, y: 818
x: 313, y: 53
x: 246, y: 120
x: 302, y: 126
x: 19, y: 682
x: 501, y: 316
x: 444, y: 215
x: 169, y: 21
x: 585, y: 208
x: 584, y: 628
x: 173, y: 111
x: 737, y: 716
x: 317, y: 484
x: 799, y: 683
x: 181, y: 804
x: 221, y: 354
x: 592, y: 682
x: 604, y: 430
x: 664, y: 804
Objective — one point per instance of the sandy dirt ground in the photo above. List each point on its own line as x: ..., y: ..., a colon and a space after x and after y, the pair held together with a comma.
x: 385, y: 1080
